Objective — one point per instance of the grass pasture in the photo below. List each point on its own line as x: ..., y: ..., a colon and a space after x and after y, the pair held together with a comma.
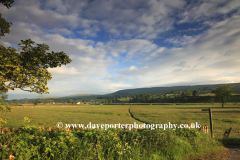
x: 223, y: 118
x: 180, y: 144
x: 49, y: 115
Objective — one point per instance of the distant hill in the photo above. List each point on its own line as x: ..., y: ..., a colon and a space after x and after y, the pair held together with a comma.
x: 162, y: 90
x: 155, y: 90
x: 80, y: 95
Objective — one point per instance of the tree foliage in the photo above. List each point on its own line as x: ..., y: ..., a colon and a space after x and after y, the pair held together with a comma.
x: 160, y: 96
x: 70, y: 101
x: 5, y: 25
x: 3, y: 95
x: 195, y: 93
x: 15, y: 101
x: 223, y: 93
x: 29, y: 68
x: 149, y: 97
x: 180, y: 93
x: 188, y: 93
x: 25, y: 101
x: 7, y: 3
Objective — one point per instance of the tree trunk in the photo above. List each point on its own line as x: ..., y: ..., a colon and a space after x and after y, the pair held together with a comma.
x: 222, y: 104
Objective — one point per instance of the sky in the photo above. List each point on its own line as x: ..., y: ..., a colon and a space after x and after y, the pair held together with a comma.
x: 127, y: 44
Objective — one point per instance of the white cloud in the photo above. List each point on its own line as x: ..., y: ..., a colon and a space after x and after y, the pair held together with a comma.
x: 119, y: 44
x: 63, y: 70
x: 134, y: 47
x: 133, y: 68
x: 6, y: 44
x: 183, y: 40
x: 62, y: 31
x: 205, y: 10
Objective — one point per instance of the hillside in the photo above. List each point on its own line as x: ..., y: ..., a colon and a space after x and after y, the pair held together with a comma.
x: 155, y: 90
x: 162, y: 90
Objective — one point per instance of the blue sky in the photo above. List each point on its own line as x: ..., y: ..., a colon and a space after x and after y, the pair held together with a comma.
x: 126, y: 44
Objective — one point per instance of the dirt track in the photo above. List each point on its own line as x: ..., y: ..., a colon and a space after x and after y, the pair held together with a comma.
x: 234, y: 152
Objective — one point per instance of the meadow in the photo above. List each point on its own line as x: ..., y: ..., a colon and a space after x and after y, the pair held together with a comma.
x: 179, y: 144
x: 223, y: 118
x: 50, y: 115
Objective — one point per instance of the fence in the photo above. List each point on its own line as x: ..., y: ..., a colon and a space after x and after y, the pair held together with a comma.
x: 224, y: 134
x: 204, y: 129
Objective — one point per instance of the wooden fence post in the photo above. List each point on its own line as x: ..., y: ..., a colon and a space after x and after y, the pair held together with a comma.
x: 210, y: 118
x: 211, y: 125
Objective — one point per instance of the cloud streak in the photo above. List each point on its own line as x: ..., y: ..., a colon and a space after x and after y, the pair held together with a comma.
x: 130, y: 44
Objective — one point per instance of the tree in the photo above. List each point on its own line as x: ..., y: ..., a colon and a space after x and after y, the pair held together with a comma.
x: 180, y: 93
x: 3, y: 96
x: 39, y: 101
x: 29, y: 68
x: 137, y: 98
x: 195, y: 93
x: 149, y: 97
x: 70, y: 101
x: 142, y: 98
x: 4, y: 28
x: 213, y: 91
x: 183, y: 94
x: 160, y: 96
x: 4, y: 25
x: 15, y: 101
x: 116, y: 99
x: 4, y: 108
x: 212, y: 100
x: 188, y: 93
x: 25, y: 101
x: 223, y: 93
x: 30, y: 101
x: 49, y: 101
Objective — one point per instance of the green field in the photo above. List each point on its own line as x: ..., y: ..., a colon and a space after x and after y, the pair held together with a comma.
x: 179, y: 144
x: 49, y: 115
x: 223, y: 118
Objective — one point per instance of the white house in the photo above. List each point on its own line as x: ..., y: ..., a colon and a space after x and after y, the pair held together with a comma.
x: 78, y: 103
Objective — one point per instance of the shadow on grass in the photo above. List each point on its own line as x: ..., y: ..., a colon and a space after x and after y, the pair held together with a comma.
x: 225, y: 111
x: 230, y: 141
x: 198, y: 107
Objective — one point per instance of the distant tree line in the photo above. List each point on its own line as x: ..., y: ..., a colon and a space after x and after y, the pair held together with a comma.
x: 168, y: 97
x: 222, y: 94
